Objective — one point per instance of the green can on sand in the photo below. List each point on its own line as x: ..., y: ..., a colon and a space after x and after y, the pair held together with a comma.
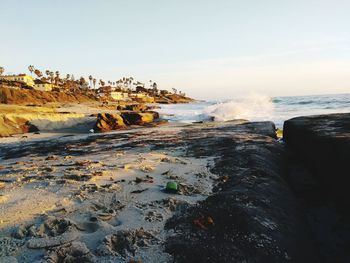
x: 171, y: 186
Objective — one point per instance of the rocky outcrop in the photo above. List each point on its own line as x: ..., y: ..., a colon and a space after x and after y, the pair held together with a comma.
x: 323, y: 144
x: 253, y: 215
x: 139, y: 118
x: 18, y: 123
x: 108, y: 122
x: 173, y: 98
x: 14, y: 125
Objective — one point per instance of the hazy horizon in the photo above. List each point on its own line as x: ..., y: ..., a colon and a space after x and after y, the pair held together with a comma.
x: 208, y: 50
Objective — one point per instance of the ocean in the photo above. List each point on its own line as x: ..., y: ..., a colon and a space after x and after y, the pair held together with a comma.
x: 257, y: 108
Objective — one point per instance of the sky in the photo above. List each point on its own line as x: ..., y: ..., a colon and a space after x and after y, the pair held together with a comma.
x: 209, y: 49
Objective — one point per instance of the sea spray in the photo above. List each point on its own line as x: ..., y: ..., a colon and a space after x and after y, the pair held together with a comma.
x: 257, y: 108
x: 252, y: 107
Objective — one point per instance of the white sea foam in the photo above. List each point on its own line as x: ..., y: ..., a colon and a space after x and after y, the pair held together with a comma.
x: 252, y: 107
x: 257, y: 107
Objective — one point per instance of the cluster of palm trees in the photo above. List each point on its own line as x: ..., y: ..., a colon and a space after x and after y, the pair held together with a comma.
x: 54, y: 78
x: 128, y: 84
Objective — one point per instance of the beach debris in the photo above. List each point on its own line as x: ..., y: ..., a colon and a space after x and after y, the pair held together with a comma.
x: 171, y: 187
x: 138, y: 180
x: 83, y: 163
x: 223, y: 178
x: 77, y: 177
x: 204, y: 222
x: 147, y: 179
x: 51, y: 158
x: 166, y: 172
x: 72, y: 252
x: 138, y: 191
x: 99, y: 173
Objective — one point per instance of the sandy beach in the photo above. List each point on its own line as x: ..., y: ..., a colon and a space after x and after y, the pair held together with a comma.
x: 96, y: 187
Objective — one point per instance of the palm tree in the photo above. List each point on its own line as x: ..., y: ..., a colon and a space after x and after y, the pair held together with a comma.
x: 1, y: 70
x: 31, y: 69
x: 38, y: 73
x: 90, y: 79
x: 52, y: 76
x: 101, y: 83
x: 57, y: 78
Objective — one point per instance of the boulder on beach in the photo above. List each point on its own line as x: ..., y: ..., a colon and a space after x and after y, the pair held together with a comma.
x: 109, y: 122
x: 322, y: 142
x: 139, y: 118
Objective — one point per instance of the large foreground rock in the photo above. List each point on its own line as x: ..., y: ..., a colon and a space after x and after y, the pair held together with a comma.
x: 108, y: 122
x: 253, y: 216
x: 139, y: 118
x: 323, y: 143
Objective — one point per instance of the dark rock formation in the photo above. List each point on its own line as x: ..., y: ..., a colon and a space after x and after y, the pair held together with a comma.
x: 108, y: 122
x: 319, y: 176
x: 323, y: 144
x: 139, y: 118
x: 253, y: 216
x: 28, y: 127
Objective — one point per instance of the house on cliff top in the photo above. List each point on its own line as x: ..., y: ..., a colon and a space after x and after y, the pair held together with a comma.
x: 118, y: 95
x: 43, y: 85
x: 23, y: 78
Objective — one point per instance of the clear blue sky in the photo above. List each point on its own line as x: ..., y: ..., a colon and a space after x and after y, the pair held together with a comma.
x: 209, y: 49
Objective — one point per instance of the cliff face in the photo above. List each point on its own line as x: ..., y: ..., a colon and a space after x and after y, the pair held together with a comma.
x: 25, y: 96
x: 12, y: 123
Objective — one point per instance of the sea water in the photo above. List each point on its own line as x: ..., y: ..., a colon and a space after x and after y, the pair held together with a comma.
x: 257, y: 108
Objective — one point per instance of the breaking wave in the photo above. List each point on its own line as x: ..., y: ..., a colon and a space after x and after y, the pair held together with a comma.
x: 257, y: 107
x: 253, y: 108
